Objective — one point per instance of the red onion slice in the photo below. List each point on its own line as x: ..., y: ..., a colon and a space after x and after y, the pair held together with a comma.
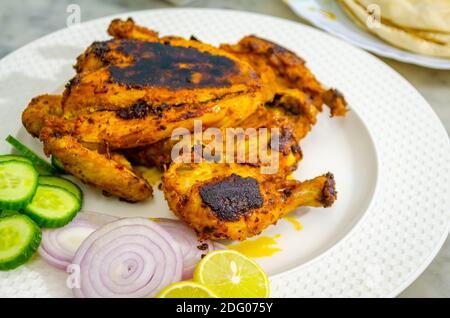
x: 191, y: 248
x: 58, y: 246
x: 131, y: 257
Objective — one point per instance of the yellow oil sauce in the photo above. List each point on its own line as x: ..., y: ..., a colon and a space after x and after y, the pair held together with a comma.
x: 151, y: 175
x: 296, y: 223
x: 263, y: 246
x: 290, y: 177
x: 328, y: 14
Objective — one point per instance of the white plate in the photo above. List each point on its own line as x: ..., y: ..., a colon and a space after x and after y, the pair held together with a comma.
x: 390, y: 156
x: 318, y: 12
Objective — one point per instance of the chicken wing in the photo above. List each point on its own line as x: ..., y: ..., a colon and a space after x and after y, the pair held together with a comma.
x: 281, y: 71
x: 110, y: 172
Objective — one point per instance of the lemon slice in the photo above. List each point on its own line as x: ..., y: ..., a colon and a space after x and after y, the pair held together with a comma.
x: 186, y: 290
x: 230, y: 274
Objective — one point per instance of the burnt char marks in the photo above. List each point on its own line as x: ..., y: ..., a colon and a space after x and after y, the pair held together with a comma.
x: 232, y: 197
x: 141, y: 110
x: 329, y: 191
x: 286, y: 141
x: 172, y: 67
x: 70, y: 84
x: 100, y: 49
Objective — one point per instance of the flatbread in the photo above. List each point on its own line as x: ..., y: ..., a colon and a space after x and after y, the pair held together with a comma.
x: 422, y: 42
x: 427, y: 15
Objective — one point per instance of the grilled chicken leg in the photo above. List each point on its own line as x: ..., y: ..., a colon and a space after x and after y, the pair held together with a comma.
x: 232, y: 201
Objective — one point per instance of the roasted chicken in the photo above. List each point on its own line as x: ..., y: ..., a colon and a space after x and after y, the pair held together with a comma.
x: 130, y: 93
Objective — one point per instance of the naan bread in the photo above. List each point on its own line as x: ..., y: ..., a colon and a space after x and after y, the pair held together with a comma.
x: 427, y: 15
x: 419, y: 41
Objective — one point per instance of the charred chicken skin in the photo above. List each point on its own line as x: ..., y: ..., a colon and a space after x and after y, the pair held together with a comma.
x: 128, y: 95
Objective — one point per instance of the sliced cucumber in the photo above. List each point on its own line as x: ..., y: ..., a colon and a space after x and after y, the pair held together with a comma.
x: 5, y: 213
x: 52, y: 206
x: 18, y: 182
x: 14, y: 157
x: 20, y: 238
x: 41, y: 165
x: 58, y: 165
x: 62, y: 183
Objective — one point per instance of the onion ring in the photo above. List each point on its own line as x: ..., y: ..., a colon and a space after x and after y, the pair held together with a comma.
x: 130, y: 257
x: 58, y: 246
x: 191, y: 247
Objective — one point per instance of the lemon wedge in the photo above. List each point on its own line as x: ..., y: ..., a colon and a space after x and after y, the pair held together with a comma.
x: 230, y: 274
x: 186, y: 289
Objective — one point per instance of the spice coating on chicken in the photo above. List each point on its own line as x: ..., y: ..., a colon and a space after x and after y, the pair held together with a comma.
x: 130, y: 93
x: 167, y: 72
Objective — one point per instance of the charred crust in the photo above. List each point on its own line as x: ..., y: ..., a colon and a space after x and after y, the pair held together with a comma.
x: 159, y: 110
x: 203, y: 247
x: 142, y: 109
x: 287, y: 193
x: 297, y: 149
x: 100, y: 49
x: 126, y: 200
x: 285, y: 141
x: 137, y: 111
x: 106, y: 193
x: 337, y: 93
x: 71, y: 83
x: 232, y: 197
x: 336, y: 100
x: 57, y: 135
x: 329, y: 191
x: 174, y: 67
x: 194, y: 38
x: 208, y: 230
x: 333, y: 95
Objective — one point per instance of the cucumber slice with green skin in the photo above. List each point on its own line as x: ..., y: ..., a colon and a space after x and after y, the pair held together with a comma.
x: 41, y: 165
x: 18, y: 182
x: 52, y: 206
x: 20, y: 238
x: 58, y: 165
x: 62, y: 183
x: 14, y: 157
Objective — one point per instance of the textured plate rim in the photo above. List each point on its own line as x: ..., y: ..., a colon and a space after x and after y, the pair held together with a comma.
x: 419, y: 269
